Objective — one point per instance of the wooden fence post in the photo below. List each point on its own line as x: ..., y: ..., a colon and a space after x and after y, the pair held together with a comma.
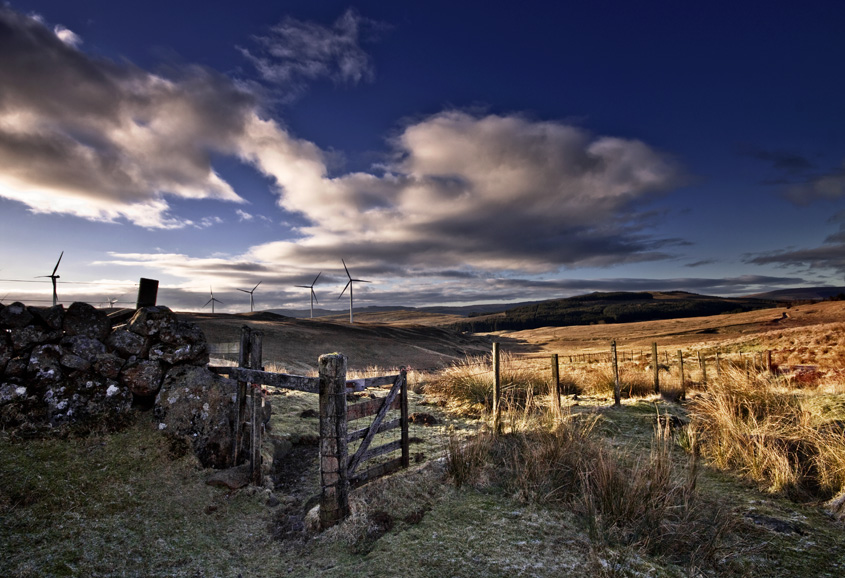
x: 768, y: 360
x: 617, y: 389
x: 240, y: 395
x: 718, y: 366
x: 703, y: 365
x: 555, y: 389
x: 683, y: 379
x: 655, y: 365
x: 403, y: 417
x: 497, y: 388
x: 334, y: 495
x: 255, y: 353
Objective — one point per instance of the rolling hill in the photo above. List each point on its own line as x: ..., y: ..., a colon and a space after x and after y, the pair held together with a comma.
x: 617, y: 307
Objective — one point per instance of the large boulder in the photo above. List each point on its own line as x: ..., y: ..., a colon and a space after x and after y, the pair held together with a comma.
x: 83, y: 319
x: 197, y: 403
x: 143, y: 378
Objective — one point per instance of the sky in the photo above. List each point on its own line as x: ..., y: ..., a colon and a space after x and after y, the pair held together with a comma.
x: 449, y: 152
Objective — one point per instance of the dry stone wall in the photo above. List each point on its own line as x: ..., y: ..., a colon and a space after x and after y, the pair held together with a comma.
x: 70, y: 366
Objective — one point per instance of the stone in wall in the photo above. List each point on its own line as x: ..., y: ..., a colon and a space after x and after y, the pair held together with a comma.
x: 143, y: 378
x: 50, y: 317
x: 6, y: 352
x: 150, y: 321
x: 15, y: 316
x: 84, y: 319
x: 126, y: 344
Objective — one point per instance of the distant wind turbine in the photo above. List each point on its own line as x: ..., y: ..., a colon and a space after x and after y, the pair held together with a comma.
x: 349, y: 286
x: 112, y: 301
x: 251, y: 301
x: 212, y: 300
x: 53, y: 278
x: 313, y: 295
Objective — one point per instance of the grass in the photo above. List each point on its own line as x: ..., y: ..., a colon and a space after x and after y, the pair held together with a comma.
x: 770, y: 434
x: 467, y: 386
x: 598, y: 491
x: 648, y: 504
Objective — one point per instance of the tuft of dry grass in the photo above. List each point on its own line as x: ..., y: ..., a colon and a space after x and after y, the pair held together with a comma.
x: 754, y: 425
x: 467, y: 387
x: 650, y: 504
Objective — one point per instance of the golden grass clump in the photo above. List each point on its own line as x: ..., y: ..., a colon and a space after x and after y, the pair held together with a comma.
x: 467, y: 387
x: 754, y: 425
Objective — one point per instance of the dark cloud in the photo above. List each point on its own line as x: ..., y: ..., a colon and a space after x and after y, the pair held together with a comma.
x: 829, y: 186
x: 295, y: 53
x: 785, y: 161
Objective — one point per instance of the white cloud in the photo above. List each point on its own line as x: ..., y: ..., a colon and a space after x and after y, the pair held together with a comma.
x: 107, y: 141
x: 67, y: 36
x: 493, y: 192
x: 243, y: 215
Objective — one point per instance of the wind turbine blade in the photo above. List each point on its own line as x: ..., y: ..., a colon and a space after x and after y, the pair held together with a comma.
x: 361, y: 281
x: 207, y: 302
x: 348, y: 283
x: 314, y: 282
x: 347, y: 270
x: 256, y: 286
x: 245, y: 291
x: 303, y: 286
x: 314, y: 295
x: 56, y: 268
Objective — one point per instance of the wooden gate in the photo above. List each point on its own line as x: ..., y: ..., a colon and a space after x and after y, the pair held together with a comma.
x: 396, y: 399
x: 338, y: 472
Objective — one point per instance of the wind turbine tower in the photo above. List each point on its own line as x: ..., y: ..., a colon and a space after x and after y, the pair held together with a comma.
x: 53, y: 278
x: 313, y: 295
x: 251, y: 300
x: 213, y: 300
x: 349, y: 286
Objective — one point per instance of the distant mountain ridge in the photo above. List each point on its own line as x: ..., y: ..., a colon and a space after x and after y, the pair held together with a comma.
x: 464, y: 310
x: 511, y: 311
x: 801, y: 294
x: 616, y: 307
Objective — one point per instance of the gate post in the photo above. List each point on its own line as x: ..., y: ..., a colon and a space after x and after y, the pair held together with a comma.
x: 334, y: 481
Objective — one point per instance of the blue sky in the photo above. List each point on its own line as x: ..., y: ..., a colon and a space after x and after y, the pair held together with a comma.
x: 449, y: 152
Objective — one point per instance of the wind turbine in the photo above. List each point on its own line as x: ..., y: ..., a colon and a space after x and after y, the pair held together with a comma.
x: 53, y: 278
x: 251, y: 301
x: 112, y: 301
x: 212, y: 300
x: 349, y: 286
x: 313, y: 295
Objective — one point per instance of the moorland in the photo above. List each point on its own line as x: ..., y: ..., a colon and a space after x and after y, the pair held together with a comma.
x: 659, y: 486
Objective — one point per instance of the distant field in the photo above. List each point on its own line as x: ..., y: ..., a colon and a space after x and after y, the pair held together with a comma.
x: 395, y: 340
x: 424, y: 340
